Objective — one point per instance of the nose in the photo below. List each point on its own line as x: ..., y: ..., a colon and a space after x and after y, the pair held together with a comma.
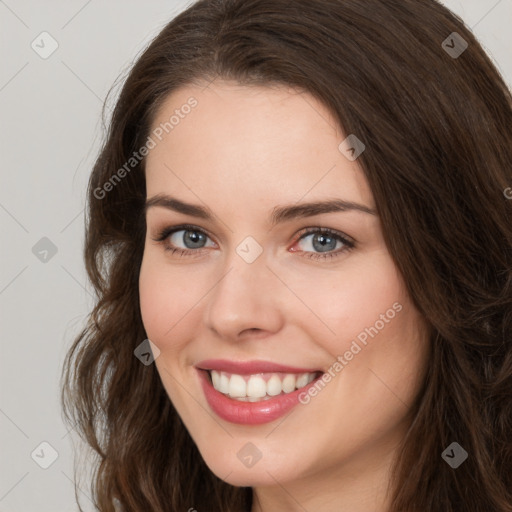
x: 246, y: 300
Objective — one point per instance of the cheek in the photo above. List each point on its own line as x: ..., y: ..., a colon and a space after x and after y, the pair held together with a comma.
x: 353, y: 299
x: 381, y: 339
x: 160, y: 308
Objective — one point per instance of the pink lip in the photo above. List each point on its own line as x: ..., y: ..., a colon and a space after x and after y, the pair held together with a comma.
x: 250, y: 367
x: 249, y: 413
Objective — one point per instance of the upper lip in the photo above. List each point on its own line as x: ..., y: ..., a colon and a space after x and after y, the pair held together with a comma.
x: 250, y: 367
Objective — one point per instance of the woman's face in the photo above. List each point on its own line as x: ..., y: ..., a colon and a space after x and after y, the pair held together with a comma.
x: 255, y: 278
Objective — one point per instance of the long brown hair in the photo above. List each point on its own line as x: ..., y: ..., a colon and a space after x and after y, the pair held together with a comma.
x: 438, y: 133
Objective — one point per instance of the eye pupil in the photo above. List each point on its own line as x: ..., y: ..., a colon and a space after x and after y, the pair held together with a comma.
x: 323, y: 242
x: 194, y: 238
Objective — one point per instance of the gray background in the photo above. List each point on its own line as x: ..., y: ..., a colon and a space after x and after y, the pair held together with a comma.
x: 51, y: 132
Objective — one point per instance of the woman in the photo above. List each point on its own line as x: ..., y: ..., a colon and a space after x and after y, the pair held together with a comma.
x: 299, y: 232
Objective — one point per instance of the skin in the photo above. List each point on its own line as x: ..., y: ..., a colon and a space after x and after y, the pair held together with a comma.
x: 242, y: 151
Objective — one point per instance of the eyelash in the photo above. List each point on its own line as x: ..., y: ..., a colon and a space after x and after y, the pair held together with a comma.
x: 168, y: 231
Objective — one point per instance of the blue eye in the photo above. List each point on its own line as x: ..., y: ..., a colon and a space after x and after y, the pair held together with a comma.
x: 327, y: 243
x: 192, y: 237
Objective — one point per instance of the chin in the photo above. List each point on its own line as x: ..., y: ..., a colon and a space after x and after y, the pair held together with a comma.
x: 227, y: 464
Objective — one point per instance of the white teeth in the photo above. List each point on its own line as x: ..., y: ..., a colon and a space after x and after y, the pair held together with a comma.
x: 302, y: 381
x: 289, y: 383
x: 237, y: 386
x: 255, y: 388
x: 215, y: 379
x: 274, y: 386
x: 223, y: 383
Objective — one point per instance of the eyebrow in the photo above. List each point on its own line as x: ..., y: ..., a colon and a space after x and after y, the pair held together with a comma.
x: 279, y: 214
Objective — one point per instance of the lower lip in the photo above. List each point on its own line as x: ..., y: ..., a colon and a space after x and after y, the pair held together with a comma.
x: 249, y: 413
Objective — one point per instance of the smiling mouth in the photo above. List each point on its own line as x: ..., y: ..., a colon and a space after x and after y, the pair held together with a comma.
x: 258, y: 387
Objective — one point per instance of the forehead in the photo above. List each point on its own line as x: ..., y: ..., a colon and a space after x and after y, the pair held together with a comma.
x: 273, y: 142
